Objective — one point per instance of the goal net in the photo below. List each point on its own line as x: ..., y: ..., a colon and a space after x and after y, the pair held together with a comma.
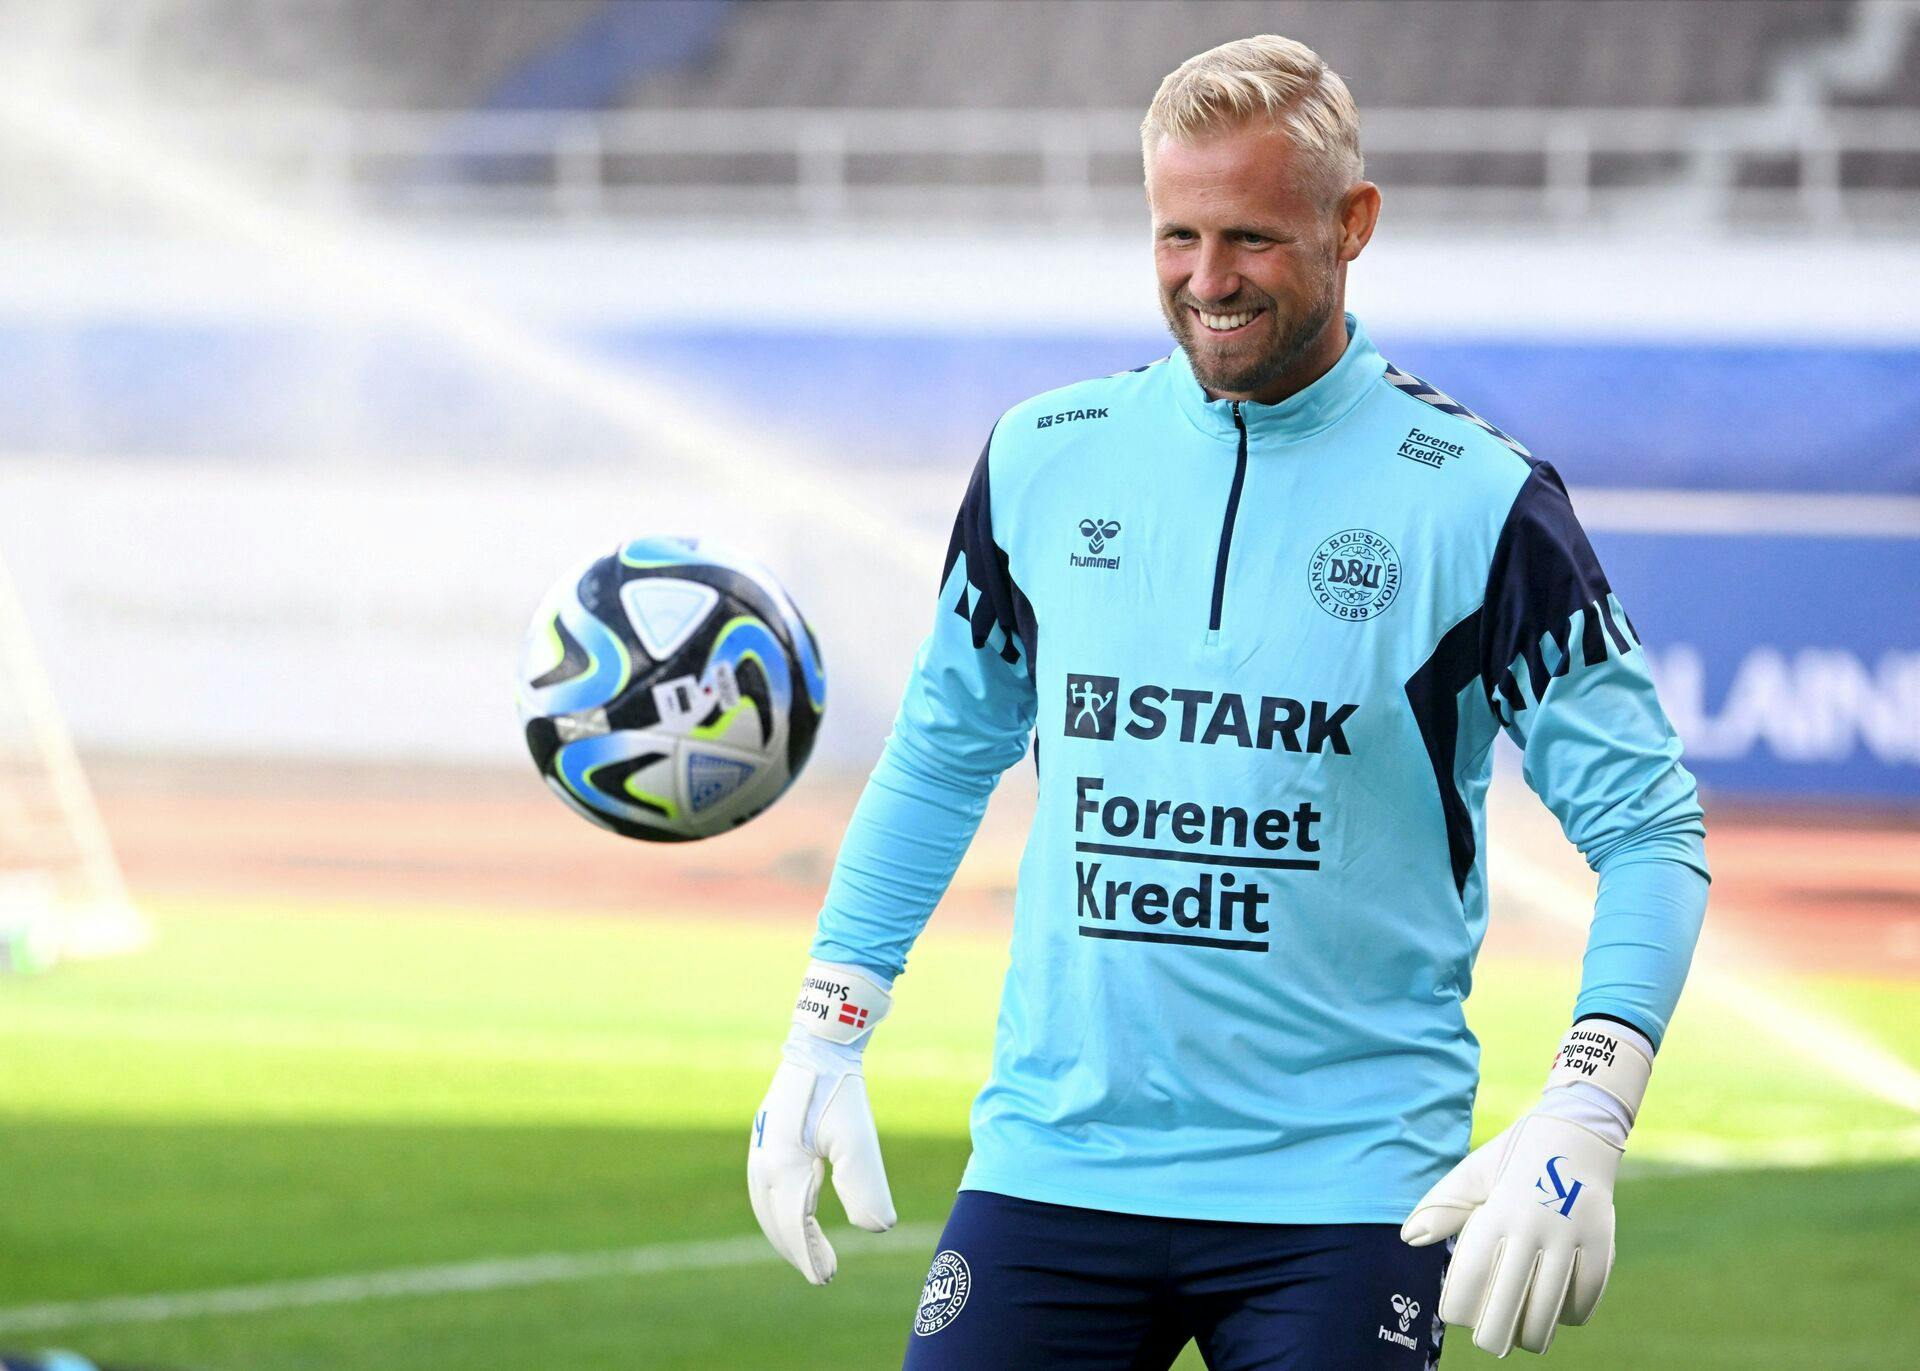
x: 61, y: 893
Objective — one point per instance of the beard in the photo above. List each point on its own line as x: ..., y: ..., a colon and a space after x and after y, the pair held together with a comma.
x: 1249, y: 366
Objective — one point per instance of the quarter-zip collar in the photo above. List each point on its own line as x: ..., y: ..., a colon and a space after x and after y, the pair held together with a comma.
x: 1300, y: 415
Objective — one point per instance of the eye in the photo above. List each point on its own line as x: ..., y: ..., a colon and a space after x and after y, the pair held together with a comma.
x: 1254, y: 240
x: 1178, y: 235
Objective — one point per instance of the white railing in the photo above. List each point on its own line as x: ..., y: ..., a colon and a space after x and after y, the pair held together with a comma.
x: 1572, y: 166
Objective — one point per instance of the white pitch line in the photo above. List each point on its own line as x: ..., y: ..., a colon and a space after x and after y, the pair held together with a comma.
x: 1834, y: 1046
x: 1790, y: 512
x: 1668, y: 1154
x: 459, y: 1278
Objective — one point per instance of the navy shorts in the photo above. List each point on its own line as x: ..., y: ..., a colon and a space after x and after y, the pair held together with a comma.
x: 1022, y: 1286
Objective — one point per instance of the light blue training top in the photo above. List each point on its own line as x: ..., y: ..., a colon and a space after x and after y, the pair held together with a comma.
x: 1263, y: 652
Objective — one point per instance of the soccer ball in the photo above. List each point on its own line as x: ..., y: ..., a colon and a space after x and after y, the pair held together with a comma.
x: 670, y: 690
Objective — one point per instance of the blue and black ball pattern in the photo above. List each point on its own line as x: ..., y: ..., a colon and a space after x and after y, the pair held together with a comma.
x: 593, y: 720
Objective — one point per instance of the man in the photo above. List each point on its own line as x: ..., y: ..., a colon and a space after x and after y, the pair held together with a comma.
x: 1232, y: 1080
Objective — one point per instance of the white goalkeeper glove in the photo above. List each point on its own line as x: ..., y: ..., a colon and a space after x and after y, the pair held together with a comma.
x: 1533, y: 1208
x: 816, y: 1113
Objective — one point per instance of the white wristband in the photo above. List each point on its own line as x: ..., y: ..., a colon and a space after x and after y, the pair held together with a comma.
x: 1599, y: 1053
x: 840, y: 1003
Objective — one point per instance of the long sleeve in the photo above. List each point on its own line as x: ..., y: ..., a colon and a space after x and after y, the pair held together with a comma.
x: 1563, y: 670
x: 966, y: 717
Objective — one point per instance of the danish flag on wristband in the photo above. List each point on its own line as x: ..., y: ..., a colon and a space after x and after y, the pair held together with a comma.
x: 1597, y: 1053
x: 839, y: 1003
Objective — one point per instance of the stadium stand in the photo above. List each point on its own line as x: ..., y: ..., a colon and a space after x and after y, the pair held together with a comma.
x: 1012, y: 54
x: 1534, y: 55
x: 352, y: 54
x: 1750, y: 112
x: 611, y: 49
x: 450, y: 55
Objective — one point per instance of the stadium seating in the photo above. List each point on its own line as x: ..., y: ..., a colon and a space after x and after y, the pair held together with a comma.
x: 356, y: 54
x: 953, y: 54
x: 1409, y: 53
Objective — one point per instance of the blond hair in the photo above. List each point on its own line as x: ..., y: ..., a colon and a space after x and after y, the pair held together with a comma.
x: 1264, y: 77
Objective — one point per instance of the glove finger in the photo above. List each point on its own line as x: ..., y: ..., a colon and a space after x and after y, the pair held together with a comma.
x: 1464, y: 1291
x: 1499, y: 1321
x: 1541, y: 1317
x: 760, y: 1190
x: 848, y: 1138
x: 762, y: 1165
x: 1444, y: 1210
x: 796, y: 1233
x: 1431, y: 1222
x: 1590, y: 1272
x: 777, y: 1166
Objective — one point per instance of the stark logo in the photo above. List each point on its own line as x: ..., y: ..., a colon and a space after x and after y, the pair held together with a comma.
x: 1561, y: 1196
x: 1090, y: 709
x: 1070, y: 416
x: 944, y: 1295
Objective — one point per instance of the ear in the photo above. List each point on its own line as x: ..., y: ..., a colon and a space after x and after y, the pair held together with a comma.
x: 1359, y: 212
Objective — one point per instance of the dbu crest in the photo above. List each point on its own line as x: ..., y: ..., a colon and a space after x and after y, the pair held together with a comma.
x: 1097, y: 532
x: 944, y: 1295
x: 1354, y: 575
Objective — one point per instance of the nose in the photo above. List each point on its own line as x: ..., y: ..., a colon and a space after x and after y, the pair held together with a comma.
x: 1215, y: 277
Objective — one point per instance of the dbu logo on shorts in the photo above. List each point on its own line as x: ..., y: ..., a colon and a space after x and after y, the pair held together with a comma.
x: 944, y: 1295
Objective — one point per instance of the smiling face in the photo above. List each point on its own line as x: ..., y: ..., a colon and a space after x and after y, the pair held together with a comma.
x: 1251, y: 252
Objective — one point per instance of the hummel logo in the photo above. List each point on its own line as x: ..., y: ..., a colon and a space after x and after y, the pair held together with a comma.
x: 1068, y: 416
x: 1097, y: 532
x: 1407, y: 1311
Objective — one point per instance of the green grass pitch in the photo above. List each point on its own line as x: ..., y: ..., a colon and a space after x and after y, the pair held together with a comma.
x: 272, y: 1095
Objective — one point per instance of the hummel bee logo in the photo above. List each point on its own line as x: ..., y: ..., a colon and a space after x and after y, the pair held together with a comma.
x: 1406, y: 1311
x: 1098, y: 533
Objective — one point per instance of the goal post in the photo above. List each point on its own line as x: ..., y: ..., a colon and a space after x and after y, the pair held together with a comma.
x: 61, y: 891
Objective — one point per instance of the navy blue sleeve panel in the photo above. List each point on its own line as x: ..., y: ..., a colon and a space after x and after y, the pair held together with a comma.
x: 988, y: 598
x: 1544, y: 581
x: 966, y: 717
x: 1436, y: 693
x: 1562, y: 669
